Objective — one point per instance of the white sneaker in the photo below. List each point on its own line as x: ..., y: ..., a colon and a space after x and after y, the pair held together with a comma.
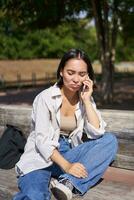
x: 60, y: 191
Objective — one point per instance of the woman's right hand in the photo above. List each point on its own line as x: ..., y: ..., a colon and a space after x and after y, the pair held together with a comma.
x: 77, y: 169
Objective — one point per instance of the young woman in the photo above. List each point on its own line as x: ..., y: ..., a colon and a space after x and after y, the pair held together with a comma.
x: 62, y: 116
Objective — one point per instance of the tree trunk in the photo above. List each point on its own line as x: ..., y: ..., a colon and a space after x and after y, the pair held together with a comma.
x: 107, y: 40
x: 107, y: 79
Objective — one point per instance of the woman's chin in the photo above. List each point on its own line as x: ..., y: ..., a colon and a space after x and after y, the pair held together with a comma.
x: 74, y: 89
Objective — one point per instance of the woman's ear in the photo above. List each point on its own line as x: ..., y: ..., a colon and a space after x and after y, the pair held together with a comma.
x: 61, y: 73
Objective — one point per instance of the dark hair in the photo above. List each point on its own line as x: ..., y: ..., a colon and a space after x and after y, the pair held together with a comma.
x: 74, y: 53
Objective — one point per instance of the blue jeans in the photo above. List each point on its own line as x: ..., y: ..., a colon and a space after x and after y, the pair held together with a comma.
x: 95, y: 155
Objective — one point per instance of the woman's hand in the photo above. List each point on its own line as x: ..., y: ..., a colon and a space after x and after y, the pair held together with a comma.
x: 77, y: 169
x: 87, y: 89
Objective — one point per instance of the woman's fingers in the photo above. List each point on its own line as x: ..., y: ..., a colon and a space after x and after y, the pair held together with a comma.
x: 87, y: 92
x: 78, y: 170
x: 88, y: 83
x: 82, y: 171
x: 79, y: 174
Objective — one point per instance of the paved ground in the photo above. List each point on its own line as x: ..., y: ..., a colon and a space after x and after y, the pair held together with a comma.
x: 123, y: 95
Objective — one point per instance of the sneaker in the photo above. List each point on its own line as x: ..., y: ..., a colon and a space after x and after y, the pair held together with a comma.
x: 67, y: 183
x: 61, y: 191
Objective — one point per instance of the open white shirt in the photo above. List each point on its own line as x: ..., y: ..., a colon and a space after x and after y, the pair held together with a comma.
x: 45, y: 129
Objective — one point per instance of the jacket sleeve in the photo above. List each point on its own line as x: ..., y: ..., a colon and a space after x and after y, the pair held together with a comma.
x: 91, y: 131
x: 46, y: 138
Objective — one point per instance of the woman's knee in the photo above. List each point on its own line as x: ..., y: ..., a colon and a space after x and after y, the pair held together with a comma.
x: 111, y: 140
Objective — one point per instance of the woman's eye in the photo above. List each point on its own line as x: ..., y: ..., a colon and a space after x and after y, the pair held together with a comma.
x: 70, y: 73
x: 82, y: 74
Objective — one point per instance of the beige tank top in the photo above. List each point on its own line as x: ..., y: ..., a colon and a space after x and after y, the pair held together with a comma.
x: 67, y: 124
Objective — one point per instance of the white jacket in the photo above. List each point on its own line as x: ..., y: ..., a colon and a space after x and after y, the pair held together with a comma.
x: 45, y: 129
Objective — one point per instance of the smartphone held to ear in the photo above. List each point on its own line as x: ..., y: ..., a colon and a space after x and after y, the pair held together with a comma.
x: 83, y: 88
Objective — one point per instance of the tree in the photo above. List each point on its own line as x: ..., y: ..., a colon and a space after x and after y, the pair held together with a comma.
x: 108, y: 17
x: 34, y: 14
x: 39, y: 14
x: 106, y: 27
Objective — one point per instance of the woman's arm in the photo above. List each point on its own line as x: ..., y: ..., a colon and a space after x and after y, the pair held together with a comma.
x: 43, y: 127
x: 76, y: 169
x: 92, y: 116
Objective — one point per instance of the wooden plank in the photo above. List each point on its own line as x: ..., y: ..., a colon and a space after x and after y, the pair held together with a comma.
x: 125, y: 157
x: 16, y: 115
x: 119, y: 175
x: 117, y: 120
x: 123, y: 161
x: 108, y: 190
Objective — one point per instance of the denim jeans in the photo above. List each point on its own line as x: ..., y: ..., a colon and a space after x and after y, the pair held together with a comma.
x: 95, y: 155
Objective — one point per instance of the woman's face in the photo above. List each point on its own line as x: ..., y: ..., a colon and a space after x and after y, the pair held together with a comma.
x: 73, y: 74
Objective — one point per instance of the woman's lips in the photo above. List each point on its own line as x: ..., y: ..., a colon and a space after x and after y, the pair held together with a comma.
x: 75, y: 86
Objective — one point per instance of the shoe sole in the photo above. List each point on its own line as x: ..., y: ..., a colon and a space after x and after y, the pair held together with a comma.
x: 60, y: 191
x: 59, y: 194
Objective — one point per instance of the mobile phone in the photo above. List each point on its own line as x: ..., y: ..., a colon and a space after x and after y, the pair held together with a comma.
x: 83, y: 88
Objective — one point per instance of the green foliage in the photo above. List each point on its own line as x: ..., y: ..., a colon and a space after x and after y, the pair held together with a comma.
x: 41, y: 14
x: 40, y: 29
x: 124, y: 50
x: 48, y: 43
x: 53, y: 42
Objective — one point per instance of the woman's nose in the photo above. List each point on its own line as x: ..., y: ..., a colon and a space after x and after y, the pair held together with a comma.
x: 76, y: 79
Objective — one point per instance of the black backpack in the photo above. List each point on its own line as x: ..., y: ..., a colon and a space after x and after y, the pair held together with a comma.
x: 12, y: 144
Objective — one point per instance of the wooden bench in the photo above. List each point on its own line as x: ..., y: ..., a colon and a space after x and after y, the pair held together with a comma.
x: 119, y: 178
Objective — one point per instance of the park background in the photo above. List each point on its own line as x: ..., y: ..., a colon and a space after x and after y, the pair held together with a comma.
x: 35, y: 34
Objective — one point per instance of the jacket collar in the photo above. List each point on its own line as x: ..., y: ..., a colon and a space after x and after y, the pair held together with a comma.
x: 56, y: 92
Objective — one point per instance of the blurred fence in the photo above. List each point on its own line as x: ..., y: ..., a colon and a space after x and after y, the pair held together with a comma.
x: 122, y: 67
x: 24, y: 78
x: 32, y: 82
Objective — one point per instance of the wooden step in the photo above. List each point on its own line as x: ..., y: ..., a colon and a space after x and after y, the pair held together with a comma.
x: 119, y: 175
x: 108, y: 190
x: 117, y: 185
